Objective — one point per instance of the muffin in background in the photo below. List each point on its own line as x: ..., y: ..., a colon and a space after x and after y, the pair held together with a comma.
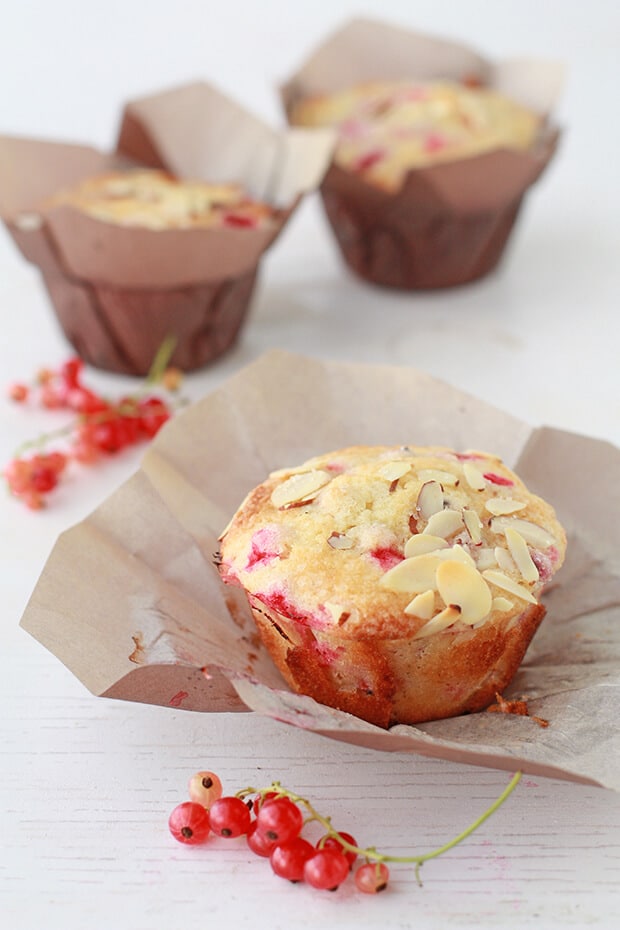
x: 134, y: 258
x: 385, y: 129
x: 415, y: 200
x: 400, y: 584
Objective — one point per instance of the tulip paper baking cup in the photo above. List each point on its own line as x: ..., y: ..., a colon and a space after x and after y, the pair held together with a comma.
x: 131, y: 601
x: 120, y: 291
x: 450, y: 222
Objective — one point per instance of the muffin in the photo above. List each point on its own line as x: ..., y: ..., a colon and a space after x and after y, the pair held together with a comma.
x: 385, y: 129
x: 399, y: 584
x: 156, y: 200
x: 437, y: 148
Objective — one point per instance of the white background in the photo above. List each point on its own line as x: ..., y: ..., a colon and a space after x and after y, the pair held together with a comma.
x: 87, y: 784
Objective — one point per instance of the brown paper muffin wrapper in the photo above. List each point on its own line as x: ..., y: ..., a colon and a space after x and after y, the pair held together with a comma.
x: 131, y: 601
x: 118, y: 292
x: 450, y: 222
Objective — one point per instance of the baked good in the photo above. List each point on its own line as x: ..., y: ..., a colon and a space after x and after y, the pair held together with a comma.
x: 385, y: 128
x: 400, y: 584
x: 157, y: 200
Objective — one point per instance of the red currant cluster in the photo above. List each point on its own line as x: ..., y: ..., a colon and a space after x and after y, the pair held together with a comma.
x: 100, y: 427
x: 271, y: 821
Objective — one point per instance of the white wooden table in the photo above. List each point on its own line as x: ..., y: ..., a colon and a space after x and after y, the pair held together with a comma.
x: 87, y: 784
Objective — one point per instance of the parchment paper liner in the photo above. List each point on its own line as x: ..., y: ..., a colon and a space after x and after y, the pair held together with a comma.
x: 450, y: 222
x: 131, y: 602
x: 119, y: 291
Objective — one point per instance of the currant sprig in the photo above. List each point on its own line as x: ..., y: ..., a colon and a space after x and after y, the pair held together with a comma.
x: 274, y: 832
x: 100, y: 426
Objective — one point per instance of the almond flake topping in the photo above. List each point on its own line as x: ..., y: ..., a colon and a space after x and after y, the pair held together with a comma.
x: 532, y: 533
x: 462, y: 586
x: 504, y: 559
x: 412, y: 576
x: 474, y: 477
x: 422, y: 543
x: 502, y: 604
x: 485, y: 558
x: 456, y: 554
x: 435, y: 474
x: 419, y: 573
x: 340, y: 541
x: 422, y: 606
x: 444, y: 523
x: 521, y: 555
x: 443, y: 620
x: 392, y: 471
x: 473, y: 525
x: 503, y: 505
x: 500, y: 580
x: 430, y: 499
x: 299, y: 487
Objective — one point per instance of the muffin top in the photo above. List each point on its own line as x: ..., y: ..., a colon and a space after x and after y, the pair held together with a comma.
x: 394, y: 542
x: 156, y: 200
x: 387, y: 128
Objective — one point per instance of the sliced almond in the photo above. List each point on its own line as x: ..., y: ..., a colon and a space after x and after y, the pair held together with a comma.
x: 422, y: 606
x: 485, y: 558
x: 462, y: 586
x: 504, y: 559
x: 501, y: 604
x: 474, y: 477
x: 503, y: 505
x: 521, y: 555
x: 444, y: 523
x: 456, y: 554
x: 430, y: 499
x: 412, y: 576
x: 422, y: 543
x: 446, y: 478
x: 473, y: 525
x: 340, y: 541
x: 299, y: 487
x: 392, y: 471
x: 532, y: 533
x: 500, y: 580
x: 443, y: 620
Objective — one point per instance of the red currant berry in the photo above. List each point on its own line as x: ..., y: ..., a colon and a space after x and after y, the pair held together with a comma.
x: 153, y: 414
x: 229, y: 817
x: 258, y: 843
x: 205, y: 788
x: 372, y: 877
x: 33, y: 500
x: 18, y: 393
x: 189, y: 823
x: 331, y: 842
x: 263, y: 799
x: 280, y: 820
x: 17, y: 474
x: 326, y: 869
x: 70, y: 371
x: 51, y: 398
x: 288, y: 859
x: 57, y: 461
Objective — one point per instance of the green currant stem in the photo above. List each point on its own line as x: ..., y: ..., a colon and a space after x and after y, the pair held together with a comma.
x: 161, y: 361
x: 371, y: 852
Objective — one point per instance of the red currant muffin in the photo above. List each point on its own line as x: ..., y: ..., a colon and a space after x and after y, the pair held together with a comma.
x: 156, y: 200
x: 400, y: 584
x: 387, y: 128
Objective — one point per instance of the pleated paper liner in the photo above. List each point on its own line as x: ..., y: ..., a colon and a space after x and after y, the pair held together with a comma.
x: 131, y: 601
